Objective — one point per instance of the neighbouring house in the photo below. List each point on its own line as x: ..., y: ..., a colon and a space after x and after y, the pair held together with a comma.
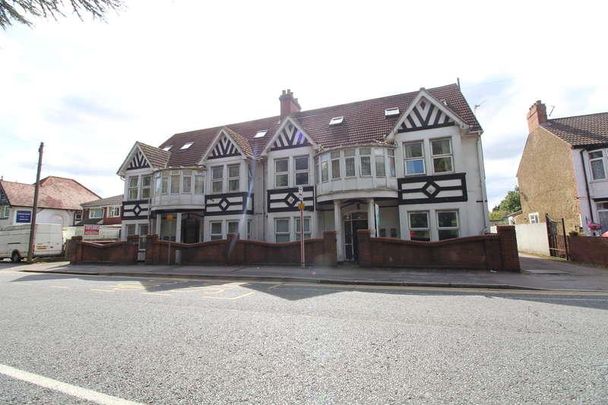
x: 563, y: 171
x: 104, y: 211
x: 406, y: 166
x: 59, y: 201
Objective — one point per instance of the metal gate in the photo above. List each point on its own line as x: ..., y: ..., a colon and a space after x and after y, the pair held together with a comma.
x: 556, y: 233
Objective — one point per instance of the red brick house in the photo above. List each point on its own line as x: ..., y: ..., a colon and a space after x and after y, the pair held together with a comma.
x: 563, y: 171
x: 105, y: 211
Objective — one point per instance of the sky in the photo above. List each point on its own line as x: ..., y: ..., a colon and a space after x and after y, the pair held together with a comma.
x: 90, y: 89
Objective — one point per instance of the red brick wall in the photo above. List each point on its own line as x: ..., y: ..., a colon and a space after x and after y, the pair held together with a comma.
x: 234, y: 251
x: 495, y: 251
x: 588, y: 249
x: 121, y: 252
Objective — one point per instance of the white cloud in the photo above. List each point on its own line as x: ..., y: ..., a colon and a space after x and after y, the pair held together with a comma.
x: 89, y: 90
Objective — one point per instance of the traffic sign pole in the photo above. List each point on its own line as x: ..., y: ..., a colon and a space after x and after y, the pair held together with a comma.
x: 301, y: 207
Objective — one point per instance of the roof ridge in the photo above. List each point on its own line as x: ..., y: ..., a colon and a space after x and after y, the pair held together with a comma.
x: 576, y: 116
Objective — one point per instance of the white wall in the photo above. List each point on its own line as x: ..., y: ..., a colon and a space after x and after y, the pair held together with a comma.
x: 532, y: 238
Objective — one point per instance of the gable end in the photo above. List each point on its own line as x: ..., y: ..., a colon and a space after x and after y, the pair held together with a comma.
x: 224, y: 148
x: 290, y: 137
x: 425, y: 115
x: 138, y: 161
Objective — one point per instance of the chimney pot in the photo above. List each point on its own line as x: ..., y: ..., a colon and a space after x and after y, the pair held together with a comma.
x: 289, y: 104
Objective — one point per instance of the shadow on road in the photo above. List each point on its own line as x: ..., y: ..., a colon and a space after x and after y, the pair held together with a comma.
x: 300, y: 291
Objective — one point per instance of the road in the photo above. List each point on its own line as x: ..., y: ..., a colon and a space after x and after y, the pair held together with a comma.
x: 192, y: 341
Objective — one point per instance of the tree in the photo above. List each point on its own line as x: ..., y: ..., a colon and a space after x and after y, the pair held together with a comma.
x: 511, y: 203
x: 20, y: 10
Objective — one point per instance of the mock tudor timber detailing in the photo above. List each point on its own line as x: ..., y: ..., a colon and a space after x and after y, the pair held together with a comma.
x: 229, y: 204
x: 135, y: 209
x: 290, y: 137
x: 425, y: 115
x: 432, y: 189
x: 138, y: 162
x: 286, y: 199
x: 224, y: 148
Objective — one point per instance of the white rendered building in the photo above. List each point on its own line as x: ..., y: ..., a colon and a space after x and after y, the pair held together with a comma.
x: 407, y: 166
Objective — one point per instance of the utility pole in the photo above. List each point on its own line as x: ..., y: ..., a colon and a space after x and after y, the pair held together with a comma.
x: 30, y: 250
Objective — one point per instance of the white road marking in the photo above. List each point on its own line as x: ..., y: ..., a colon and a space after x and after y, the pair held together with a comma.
x: 73, y: 390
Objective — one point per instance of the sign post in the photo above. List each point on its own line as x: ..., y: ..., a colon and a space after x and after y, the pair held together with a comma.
x: 301, y: 206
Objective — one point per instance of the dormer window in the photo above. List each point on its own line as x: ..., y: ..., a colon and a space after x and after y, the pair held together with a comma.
x: 261, y: 133
x: 336, y: 120
x: 391, y: 112
x: 167, y: 148
x: 186, y: 145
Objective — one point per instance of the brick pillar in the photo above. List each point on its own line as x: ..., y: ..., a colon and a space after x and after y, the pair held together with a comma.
x: 365, y: 251
x: 152, y: 249
x: 132, y: 249
x: 508, y: 248
x: 233, y: 252
x: 76, y: 250
x: 330, y: 252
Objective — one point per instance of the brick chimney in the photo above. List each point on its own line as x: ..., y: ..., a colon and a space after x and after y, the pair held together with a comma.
x: 289, y: 104
x: 536, y: 116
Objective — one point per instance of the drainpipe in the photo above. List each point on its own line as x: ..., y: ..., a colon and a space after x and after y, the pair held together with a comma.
x: 482, y: 184
x: 587, y: 186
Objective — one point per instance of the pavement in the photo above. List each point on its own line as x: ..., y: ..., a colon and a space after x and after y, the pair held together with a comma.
x: 537, y: 274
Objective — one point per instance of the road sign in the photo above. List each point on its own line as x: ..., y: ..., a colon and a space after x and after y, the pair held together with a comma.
x: 301, y: 206
x: 301, y: 193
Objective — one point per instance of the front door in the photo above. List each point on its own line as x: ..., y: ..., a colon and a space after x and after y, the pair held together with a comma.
x: 190, y: 228
x: 352, y: 223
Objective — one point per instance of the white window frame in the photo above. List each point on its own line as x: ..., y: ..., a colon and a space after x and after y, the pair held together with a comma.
x: 350, y: 154
x: 77, y: 216
x: 391, y: 162
x: 602, y: 208
x: 233, y: 179
x: 216, y: 236
x: 324, y: 167
x: 113, y: 211
x: 164, y: 184
x: 307, y: 234
x: 146, y: 186
x: 97, y: 210
x: 447, y: 228
x: 199, y: 183
x: 449, y: 155
x: 379, y: 161
x: 428, y: 223
x: 217, y: 180
x: 187, y: 182
x: 367, y: 155
x: 301, y: 171
x: 232, y: 222
x: 175, y: 181
x: 596, y: 159
x: 533, y: 218
x: 288, y: 232
x: 5, y: 211
x: 335, y: 157
x: 283, y: 174
x: 415, y: 158
x: 132, y: 188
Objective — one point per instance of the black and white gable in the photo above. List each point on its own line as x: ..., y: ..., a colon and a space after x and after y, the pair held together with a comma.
x: 426, y: 113
x: 224, y: 146
x: 289, y: 136
x: 138, y: 161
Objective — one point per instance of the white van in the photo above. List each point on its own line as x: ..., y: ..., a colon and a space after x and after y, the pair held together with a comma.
x: 15, y: 239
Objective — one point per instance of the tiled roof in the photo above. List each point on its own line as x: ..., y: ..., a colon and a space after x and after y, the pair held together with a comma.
x: 364, y: 122
x: 103, y: 202
x: 55, y: 192
x: 157, y: 157
x: 581, y: 130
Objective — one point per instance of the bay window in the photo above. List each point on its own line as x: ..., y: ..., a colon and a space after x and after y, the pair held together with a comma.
x: 325, y: 168
x: 414, y: 158
x: 596, y: 161
x: 380, y: 162
x: 391, y: 162
x: 365, y: 161
x: 335, y: 165
x: 187, y: 181
x: 349, y: 163
x: 441, y: 149
x: 281, y: 172
x: 199, y: 184
x: 175, y: 182
x: 164, y: 184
